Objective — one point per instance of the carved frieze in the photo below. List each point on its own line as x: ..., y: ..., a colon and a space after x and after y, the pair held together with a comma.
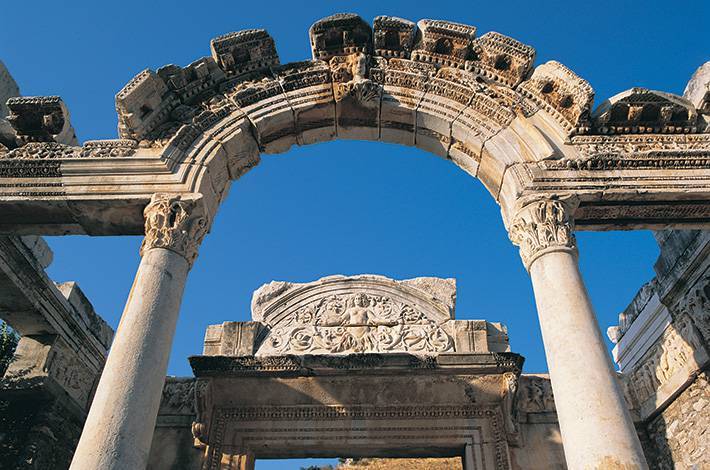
x: 542, y: 226
x: 176, y: 224
x: 178, y: 397
x: 672, y: 353
x: 535, y: 394
x: 91, y: 149
x: 356, y: 323
x: 696, y: 306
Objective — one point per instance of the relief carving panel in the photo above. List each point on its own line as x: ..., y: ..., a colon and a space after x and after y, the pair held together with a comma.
x: 357, y: 323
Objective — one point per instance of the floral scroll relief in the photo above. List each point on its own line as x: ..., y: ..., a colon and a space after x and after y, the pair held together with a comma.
x: 357, y: 323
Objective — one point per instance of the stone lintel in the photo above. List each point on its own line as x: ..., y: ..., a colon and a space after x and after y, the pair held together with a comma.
x: 359, y: 364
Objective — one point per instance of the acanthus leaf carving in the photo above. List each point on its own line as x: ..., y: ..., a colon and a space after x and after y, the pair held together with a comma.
x: 542, y: 226
x: 357, y: 323
x: 174, y: 223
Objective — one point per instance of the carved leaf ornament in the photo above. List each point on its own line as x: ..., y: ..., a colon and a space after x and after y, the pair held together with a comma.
x: 357, y: 323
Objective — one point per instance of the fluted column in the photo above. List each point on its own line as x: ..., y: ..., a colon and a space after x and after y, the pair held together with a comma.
x: 597, y: 431
x: 119, y: 427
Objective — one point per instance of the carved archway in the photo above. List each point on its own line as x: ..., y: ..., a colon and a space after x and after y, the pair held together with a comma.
x: 639, y: 161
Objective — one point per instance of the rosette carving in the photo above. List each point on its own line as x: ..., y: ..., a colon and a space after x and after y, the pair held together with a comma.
x: 175, y: 224
x: 541, y: 227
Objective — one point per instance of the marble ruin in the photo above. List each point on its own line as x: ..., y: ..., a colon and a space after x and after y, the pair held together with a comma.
x: 362, y: 365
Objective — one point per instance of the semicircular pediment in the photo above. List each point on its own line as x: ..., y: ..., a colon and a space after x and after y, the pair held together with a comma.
x: 341, y: 314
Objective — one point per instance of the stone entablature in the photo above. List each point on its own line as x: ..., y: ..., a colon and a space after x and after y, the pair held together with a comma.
x: 356, y: 314
x: 291, y: 406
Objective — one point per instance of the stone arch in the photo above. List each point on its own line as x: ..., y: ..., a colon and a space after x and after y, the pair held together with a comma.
x: 639, y: 161
x: 477, y: 103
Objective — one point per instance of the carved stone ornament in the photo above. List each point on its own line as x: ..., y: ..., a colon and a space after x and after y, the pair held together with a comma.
x: 175, y: 224
x: 357, y: 323
x: 541, y: 227
x: 349, y: 79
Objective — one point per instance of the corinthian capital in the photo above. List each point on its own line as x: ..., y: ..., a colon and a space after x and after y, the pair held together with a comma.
x: 543, y: 226
x: 174, y: 223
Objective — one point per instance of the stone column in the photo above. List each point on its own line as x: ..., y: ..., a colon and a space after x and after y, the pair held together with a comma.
x: 597, y: 431
x: 119, y: 427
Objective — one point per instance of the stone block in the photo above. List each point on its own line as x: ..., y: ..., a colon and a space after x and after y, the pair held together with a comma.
x: 143, y: 105
x: 309, y: 89
x: 500, y: 58
x: 268, y: 109
x: 393, y: 37
x: 244, y: 51
x: 8, y: 89
x: 40, y: 119
x: 697, y: 91
x: 404, y: 87
x: 340, y: 34
x: 562, y: 93
x: 444, y: 43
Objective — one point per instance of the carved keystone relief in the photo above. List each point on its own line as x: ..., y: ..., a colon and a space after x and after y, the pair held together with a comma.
x: 357, y: 323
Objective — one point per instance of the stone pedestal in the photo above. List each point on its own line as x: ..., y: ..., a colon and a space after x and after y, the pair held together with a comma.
x: 597, y: 431
x: 120, y: 424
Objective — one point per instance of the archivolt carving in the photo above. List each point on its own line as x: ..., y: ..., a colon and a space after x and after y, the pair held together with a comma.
x: 357, y: 323
x: 474, y: 100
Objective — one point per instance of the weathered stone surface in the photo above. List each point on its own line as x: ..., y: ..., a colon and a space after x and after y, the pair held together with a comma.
x: 40, y: 119
x: 437, y: 86
x: 679, y: 435
x: 662, y: 349
x: 698, y: 89
x: 645, y: 111
x: 339, y: 35
x: 244, y: 51
x: 8, y: 89
x: 366, y: 313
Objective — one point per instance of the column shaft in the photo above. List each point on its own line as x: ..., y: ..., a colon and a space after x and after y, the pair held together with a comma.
x: 119, y: 428
x: 597, y: 431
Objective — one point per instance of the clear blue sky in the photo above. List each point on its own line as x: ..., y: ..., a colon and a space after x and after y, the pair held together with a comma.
x: 346, y: 207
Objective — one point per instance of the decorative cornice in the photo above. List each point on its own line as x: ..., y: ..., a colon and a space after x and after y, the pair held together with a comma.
x: 541, y: 227
x: 174, y: 223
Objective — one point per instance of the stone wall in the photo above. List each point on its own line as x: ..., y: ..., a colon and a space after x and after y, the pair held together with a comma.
x: 679, y: 438
x: 663, y: 344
